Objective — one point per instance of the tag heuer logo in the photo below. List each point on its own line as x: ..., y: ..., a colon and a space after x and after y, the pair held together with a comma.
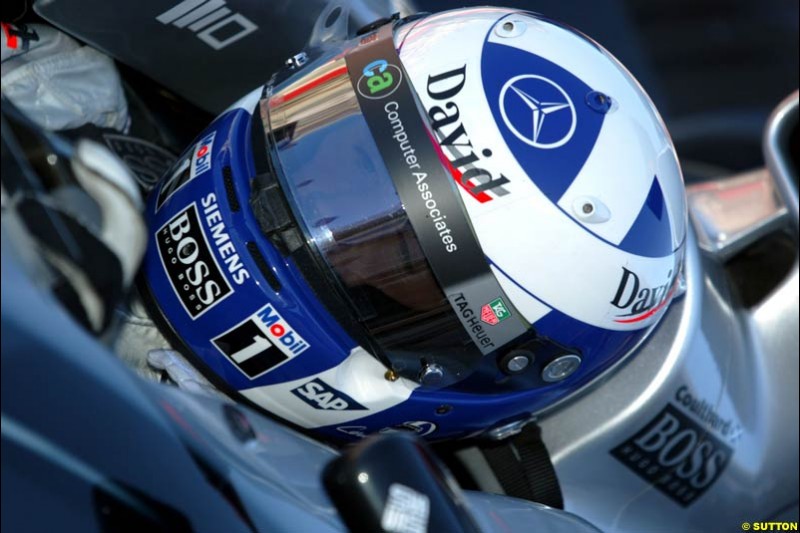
x: 494, y: 312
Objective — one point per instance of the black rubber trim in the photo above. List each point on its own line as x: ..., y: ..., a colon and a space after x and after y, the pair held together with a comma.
x: 258, y: 141
x: 263, y: 266
x: 230, y: 189
x: 522, y: 466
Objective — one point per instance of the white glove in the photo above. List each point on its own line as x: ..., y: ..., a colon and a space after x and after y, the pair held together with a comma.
x: 181, y: 372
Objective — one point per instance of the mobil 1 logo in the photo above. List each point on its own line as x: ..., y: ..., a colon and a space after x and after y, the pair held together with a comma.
x: 190, y: 265
x: 260, y: 343
x: 676, y: 455
x: 320, y: 395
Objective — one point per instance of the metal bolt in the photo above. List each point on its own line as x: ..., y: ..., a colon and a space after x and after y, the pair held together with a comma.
x: 599, y: 102
x: 391, y: 375
x: 508, y: 430
x: 431, y: 374
x: 518, y: 363
x: 443, y: 409
x: 510, y: 29
x: 590, y: 209
x: 561, y: 367
x: 297, y: 60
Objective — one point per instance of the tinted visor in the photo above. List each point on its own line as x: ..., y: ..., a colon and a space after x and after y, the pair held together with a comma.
x: 336, y: 181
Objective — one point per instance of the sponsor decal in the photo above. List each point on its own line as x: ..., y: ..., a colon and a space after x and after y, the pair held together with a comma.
x: 221, y: 240
x: 434, y: 211
x: 406, y: 510
x: 379, y: 79
x: 190, y: 265
x: 196, y: 164
x: 201, y: 155
x: 537, y: 111
x: 471, y: 322
x: 640, y: 303
x: 419, y: 427
x: 431, y: 202
x: 354, y: 431
x: 494, y: 312
x: 320, y: 395
x: 451, y: 136
x: 19, y: 36
x: 705, y: 413
x: 681, y: 453
x: 260, y: 343
x: 210, y: 20
x: 542, y: 114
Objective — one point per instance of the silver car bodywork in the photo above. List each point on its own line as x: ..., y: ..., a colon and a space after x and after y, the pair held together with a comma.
x: 698, y: 431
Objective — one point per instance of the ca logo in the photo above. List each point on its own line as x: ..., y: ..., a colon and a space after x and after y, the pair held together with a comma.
x: 379, y: 79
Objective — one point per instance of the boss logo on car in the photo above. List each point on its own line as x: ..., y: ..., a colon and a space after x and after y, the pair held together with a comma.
x: 320, y: 395
x: 260, y: 343
x: 676, y: 455
x: 189, y: 263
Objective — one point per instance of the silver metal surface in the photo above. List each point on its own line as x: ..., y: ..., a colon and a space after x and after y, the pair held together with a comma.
x: 734, y: 212
x: 742, y: 363
x: 431, y: 374
x: 507, y: 430
x: 321, y: 97
x: 561, y: 368
x: 518, y: 363
x: 498, y: 513
x: 297, y: 60
x: 779, y: 126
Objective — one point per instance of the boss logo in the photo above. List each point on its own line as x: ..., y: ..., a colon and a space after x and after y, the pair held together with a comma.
x: 189, y: 263
x: 320, y: 395
x: 676, y: 455
x: 260, y: 343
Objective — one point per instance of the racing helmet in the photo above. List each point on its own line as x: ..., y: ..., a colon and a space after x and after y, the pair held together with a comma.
x: 444, y: 224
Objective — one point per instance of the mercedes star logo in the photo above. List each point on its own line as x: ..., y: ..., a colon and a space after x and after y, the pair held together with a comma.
x: 537, y: 111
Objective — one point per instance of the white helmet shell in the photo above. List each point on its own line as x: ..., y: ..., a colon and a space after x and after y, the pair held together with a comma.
x: 566, y: 169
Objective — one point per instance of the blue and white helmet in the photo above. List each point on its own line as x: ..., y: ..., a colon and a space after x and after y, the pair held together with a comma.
x: 443, y: 225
